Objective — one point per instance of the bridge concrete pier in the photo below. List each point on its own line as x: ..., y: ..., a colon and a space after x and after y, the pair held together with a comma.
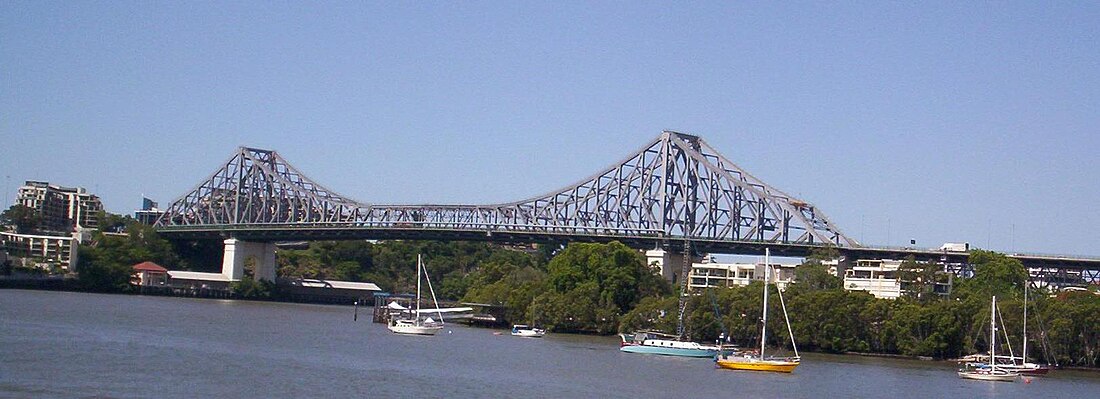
x: 669, y: 262
x: 238, y: 254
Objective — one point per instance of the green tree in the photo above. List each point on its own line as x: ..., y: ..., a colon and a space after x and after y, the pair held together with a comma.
x: 918, y: 279
x: 994, y: 274
x: 105, y: 264
x: 652, y: 313
x: 249, y: 288
x: 25, y: 219
x: 592, y: 285
x: 99, y: 273
x: 509, y: 280
x: 813, y: 275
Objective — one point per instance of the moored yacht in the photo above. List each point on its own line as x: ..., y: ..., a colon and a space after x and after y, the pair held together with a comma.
x: 759, y: 362
x: 990, y: 371
x: 413, y: 322
x: 655, y: 343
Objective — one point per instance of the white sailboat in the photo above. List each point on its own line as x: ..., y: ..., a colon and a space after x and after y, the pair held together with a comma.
x: 990, y: 371
x: 414, y: 323
x: 1023, y: 366
x: 759, y: 362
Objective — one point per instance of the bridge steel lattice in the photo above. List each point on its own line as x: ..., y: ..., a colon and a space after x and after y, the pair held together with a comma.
x: 675, y: 188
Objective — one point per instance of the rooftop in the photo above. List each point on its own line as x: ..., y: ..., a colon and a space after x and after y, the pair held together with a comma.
x: 150, y: 267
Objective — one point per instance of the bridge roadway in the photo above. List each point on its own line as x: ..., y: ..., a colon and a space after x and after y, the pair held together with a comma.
x: 639, y: 240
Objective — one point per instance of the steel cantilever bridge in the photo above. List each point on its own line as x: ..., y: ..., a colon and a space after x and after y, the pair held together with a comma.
x: 676, y: 189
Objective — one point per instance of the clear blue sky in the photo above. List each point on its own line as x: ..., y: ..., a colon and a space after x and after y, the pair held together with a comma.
x: 938, y: 121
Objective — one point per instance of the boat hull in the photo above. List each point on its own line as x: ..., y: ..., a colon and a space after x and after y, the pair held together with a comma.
x: 1035, y: 372
x: 988, y: 377
x: 666, y: 351
x: 528, y: 334
x: 760, y: 365
x: 1027, y: 369
x: 415, y: 330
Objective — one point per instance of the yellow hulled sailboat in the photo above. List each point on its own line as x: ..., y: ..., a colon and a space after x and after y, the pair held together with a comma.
x: 758, y: 362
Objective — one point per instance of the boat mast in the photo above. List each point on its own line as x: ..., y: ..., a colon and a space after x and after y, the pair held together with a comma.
x: 417, y: 289
x: 438, y: 312
x: 1008, y: 340
x: 787, y: 319
x: 1023, y: 357
x: 993, y: 335
x: 764, y: 327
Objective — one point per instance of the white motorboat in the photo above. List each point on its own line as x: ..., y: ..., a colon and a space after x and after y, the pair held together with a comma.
x: 521, y: 330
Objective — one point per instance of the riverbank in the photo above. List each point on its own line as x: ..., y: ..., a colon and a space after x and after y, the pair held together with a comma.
x: 287, y: 294
x: 891, y: 356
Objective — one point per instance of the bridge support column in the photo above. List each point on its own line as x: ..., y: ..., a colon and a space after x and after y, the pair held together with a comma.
x: 239, y: 254
x: 669, y: 263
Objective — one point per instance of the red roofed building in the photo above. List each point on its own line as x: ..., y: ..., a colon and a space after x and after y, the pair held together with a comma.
x: 149, y: 274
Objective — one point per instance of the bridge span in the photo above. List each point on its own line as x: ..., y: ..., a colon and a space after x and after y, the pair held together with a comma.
x: 675, y: 189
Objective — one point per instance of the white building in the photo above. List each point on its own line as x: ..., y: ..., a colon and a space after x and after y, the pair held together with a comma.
x: 876, y: 276
x: 62, y: 209
x: 42, y: 250
x: 714, y: 274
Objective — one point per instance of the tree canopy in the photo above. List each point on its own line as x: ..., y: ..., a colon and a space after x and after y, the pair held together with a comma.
x: 24, y: 219
x: 591, y: 286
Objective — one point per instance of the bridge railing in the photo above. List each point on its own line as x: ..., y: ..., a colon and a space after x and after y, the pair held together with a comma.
x: 1012, y: 254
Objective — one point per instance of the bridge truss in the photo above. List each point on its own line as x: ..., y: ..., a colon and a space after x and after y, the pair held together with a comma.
x: 676, y: 187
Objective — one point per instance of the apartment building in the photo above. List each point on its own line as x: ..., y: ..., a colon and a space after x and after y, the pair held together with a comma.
x: 42, y: 251
x: 62, y: 209
x: 709, y: 274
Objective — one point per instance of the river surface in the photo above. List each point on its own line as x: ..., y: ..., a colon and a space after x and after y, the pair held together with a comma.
x: 63, y: 344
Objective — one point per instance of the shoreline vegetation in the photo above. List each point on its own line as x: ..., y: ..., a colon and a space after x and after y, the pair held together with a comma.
x: 607, y: 288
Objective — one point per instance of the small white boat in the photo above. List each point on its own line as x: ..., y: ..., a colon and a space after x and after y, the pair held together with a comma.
x: 414, y: 323
x: 521, y: 330
x: 412, y: 327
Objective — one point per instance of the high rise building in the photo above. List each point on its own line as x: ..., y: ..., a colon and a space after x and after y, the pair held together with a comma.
x: 148, y: 214
x: 62, y: 209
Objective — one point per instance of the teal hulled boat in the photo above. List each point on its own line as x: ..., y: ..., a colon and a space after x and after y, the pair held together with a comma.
x: 664, y: 344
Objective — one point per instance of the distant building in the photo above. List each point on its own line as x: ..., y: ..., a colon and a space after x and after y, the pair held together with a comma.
x: 149, y: 274
x: 880, y: 277
x: 148, y: 214
x: 712, y: 274
x: 876, y: 276
x: 62, y: 209
x: 41, y: 250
